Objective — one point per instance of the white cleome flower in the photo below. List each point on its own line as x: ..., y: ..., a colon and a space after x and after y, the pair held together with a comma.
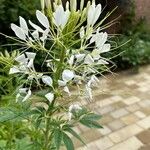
x: 93, y: 81
x: 24, y: 94
x: 19, y: 32
x: 99, y: 38
x: 74, y: 107
x: 60, y: 17
x: 93, y: 14
x: 50, y: 97
x: 38, y: 33
x: 67, y: 75
x: 25, y: 63
x: 47, y: 80
x: 29, y: 93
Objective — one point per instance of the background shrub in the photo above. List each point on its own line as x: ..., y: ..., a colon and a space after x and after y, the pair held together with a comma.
x: 11, y: 9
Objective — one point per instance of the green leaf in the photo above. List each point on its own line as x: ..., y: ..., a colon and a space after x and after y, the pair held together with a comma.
x: 68, y: 142
x: 38, y: 122
x: 58, y: 138
x: 71, y: 131
x: 92, y: 117
x: 7, y: 114
x: 90, y: 123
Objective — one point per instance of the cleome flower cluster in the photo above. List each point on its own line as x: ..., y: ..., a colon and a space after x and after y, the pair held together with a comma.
x: 73, y: 43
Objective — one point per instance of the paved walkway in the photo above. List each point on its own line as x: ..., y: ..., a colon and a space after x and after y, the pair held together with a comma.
x: 124, y: 102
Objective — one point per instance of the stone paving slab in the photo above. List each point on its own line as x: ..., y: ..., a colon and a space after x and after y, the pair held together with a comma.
x: 124, y: 102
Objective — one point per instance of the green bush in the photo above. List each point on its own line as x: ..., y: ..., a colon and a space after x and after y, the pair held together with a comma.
x: 11, y: 9
x: 135, y: 38
x: 137, y: 51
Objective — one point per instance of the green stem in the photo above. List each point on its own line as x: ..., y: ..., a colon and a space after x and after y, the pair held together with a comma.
x: 46, y: 145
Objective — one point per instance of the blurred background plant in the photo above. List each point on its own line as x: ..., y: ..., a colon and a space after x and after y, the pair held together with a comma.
x: 10, y: 10
x: 137, y: 51
x: 7, y: 83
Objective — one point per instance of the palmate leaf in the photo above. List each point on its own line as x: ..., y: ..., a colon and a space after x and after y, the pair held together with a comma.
x: 26, y: 144
x: 90, y: 120
x: 92, y: 116
x: 71, y: 131
x: 7, y: 114
x: 58, y: 138
x: 67, y: 141
x: 90, y: 123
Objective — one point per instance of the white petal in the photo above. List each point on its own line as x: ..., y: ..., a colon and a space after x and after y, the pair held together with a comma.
x: 27, y: 96
x: 36, y: 27
x: 94, y: 78
x: 95, y: 36
x: 80, y: 57
x: 30, y: 55
x: 67, y: 75
x: 50, y: 97
x: 71, y: 60
x: 47, y: 80
x: 73, y: 5
x: 90, y: 16
x: 82, y: 32
x: 42, y: 19
x: 35, y: 34
x: 100, y: 41
x: 93, y: 81
x: 61, y: 83
x: 95, y: 54
x: 19, y: 32
x: 59, y: 12
x: 45, y: 34
x: 67, y: 5
x: 66, y: 89
x: 88, y: 60
x: 106, y: 48
x: 97, y: 13
x: 13, y: 70
x: 65, y: 18
x: 102, y: 62
x: 74, y: 107
x: 93, y: 39
x: 21, y: 59
x: 23, y: 25
x: 17, y: 97
x: 30, y: 64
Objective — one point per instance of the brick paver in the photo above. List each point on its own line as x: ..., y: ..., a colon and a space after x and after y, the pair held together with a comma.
x: 124, y: 102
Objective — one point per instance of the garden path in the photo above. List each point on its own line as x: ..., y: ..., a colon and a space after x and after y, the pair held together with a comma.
x: 124, y: 102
